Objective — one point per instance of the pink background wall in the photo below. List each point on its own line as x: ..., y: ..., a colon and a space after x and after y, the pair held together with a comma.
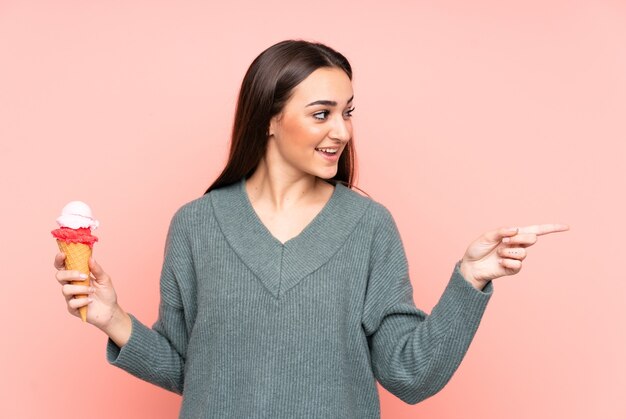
x: 469, y: 115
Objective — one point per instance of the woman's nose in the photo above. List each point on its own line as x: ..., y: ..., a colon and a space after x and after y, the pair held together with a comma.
x: 342, y: 129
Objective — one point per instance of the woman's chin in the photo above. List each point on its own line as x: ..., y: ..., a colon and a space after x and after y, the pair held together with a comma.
x: 326, y: 173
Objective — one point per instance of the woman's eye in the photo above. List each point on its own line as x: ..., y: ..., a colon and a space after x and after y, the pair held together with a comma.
x: 324, y: 113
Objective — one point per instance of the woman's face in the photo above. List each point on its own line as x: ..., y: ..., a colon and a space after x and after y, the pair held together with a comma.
x: 314, y: 123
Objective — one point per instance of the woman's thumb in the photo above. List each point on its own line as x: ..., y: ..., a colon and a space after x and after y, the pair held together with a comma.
x: 97, y: 270
x: 496, y: 235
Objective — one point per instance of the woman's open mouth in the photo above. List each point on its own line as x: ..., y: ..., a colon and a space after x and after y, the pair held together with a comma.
x: 328, y: 153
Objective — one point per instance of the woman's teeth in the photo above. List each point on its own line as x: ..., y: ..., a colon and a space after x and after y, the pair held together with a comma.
x: 327, y: 150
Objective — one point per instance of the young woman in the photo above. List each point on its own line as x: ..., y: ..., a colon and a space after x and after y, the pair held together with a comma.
x: 285, y: 293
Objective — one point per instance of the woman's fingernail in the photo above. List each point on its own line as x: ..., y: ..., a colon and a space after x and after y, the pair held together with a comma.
x: 84, y: 276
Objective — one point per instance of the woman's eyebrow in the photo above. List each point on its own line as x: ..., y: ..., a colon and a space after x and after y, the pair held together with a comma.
x: 327, y: 102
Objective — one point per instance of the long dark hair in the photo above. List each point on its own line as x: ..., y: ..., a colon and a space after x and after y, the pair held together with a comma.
x: 266, y: 88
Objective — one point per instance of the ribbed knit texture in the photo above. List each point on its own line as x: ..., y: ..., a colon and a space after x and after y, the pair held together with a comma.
x: 250, y: 327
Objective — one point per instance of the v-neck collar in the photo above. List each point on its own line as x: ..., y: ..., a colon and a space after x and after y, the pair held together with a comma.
x: 281, y: 266
x: 311, y: 224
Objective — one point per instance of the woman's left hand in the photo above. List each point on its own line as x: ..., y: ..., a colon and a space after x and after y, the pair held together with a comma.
x: 501, y: 252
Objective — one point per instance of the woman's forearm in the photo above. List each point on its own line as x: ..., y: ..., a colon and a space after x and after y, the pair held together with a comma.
x: 119, y: 327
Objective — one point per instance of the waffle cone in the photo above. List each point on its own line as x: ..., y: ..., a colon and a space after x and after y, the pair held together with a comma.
x: 77, y: 259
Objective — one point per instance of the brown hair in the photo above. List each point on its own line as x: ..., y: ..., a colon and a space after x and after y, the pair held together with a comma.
x: 265, y: 89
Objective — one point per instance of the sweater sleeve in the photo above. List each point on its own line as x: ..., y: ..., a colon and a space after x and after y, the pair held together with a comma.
x: 413, y: 354
x: 157, y: 354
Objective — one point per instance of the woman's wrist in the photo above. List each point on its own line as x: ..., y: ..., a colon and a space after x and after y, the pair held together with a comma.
x: 466, y: 272
x: 119, y: 326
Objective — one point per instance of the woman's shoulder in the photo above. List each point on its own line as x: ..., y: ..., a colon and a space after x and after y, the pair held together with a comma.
x: 202, y: 207
x: 375, y: 211
x: 193, y: 211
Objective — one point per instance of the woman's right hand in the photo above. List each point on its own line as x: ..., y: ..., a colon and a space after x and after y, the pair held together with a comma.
x: 101, y: 301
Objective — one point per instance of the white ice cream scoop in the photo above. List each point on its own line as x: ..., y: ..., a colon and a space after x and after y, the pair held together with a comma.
x: 77, y: 214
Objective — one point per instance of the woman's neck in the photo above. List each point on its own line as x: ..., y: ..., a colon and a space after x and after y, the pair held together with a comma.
x: 281, y: 190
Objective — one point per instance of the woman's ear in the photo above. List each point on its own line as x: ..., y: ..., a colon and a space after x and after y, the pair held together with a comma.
x: 274, y: 125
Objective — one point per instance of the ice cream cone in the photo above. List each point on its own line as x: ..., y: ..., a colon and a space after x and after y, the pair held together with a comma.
x: 77, y: 258
x: 74, y: 238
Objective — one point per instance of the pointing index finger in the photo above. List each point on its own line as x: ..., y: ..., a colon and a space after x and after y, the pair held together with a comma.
x: 540, y: 229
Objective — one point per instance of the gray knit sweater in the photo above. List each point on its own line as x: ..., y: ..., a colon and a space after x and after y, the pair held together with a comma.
x: 251, y: 327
